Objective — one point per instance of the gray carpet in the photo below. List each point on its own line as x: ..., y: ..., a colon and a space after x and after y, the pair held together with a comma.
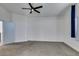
x: 37, y: 49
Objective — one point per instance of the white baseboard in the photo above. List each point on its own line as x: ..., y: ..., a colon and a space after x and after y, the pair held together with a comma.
x: 73, y: 44
x: 47, y: 40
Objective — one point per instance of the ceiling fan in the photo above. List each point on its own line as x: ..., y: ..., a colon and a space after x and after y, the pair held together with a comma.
x: 33, y: 8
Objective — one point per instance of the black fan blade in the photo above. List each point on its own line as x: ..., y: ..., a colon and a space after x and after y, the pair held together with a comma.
x: 34, y: 8
x: 26, y: 8
x: 38, y: 7
x: 31, y: 5
x: 36, y: 11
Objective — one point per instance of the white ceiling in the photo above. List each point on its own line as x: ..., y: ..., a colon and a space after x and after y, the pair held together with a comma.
x: 49, y: 9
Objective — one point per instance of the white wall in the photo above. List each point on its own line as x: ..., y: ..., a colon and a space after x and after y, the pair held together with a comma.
x: 65, y: 29
x: 32, y: 28
x: 65, y: 24
x: 42, y: 29
x: 77, y: 17
x: 20, y: 27
x: 4, y: 14
x: 36, y: 28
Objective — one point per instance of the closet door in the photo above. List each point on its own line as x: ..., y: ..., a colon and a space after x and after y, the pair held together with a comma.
x: 8, y: 32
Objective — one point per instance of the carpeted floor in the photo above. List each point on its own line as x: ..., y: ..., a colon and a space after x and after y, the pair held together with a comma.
x: 37, y: 49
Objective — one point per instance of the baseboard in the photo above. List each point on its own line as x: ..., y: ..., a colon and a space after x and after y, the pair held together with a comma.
x: 72, y: 45
x: 47, y: 40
